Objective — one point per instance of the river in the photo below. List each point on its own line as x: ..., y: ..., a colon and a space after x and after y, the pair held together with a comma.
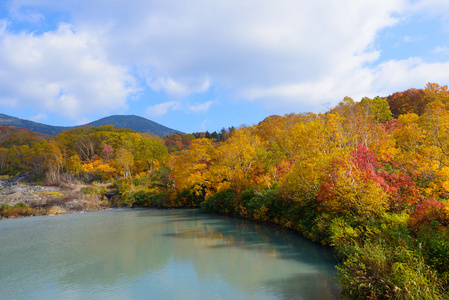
x: 159, y: 254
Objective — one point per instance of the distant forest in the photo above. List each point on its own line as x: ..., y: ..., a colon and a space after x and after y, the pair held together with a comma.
x: 133, y: 122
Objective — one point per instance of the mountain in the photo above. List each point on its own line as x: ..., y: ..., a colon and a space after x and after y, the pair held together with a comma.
x: 33, y: 126
x: 136, y: 123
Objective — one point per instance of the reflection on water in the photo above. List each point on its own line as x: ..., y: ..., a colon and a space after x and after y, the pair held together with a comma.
x: 159, y: 254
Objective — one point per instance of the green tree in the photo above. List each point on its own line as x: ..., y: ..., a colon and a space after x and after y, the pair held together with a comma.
x: 378, y: 108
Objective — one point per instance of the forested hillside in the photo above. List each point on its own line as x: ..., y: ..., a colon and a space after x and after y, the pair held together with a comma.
x: 34, y: 126
x: 369, y: 178
x: 133, y: 122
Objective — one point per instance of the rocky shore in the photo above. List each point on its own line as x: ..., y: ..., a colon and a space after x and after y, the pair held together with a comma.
x: 50, y: 200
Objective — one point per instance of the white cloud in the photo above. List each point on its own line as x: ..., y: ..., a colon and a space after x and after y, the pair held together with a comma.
x: 291, y: 54
x: 200, y: 107
x: 62, y: 71
x: 161, y: 109
x: 390, y: 76
x: 411, y: 39
x: 179, y: 88
x: 443, y: 50
x: 281, y: 47
x: 399, y: 75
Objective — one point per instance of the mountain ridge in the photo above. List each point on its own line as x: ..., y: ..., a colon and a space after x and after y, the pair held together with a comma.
x: 137, y: 123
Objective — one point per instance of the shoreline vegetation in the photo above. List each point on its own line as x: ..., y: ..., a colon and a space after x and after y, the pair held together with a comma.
x: 20, y: 198
x: 368, y: 178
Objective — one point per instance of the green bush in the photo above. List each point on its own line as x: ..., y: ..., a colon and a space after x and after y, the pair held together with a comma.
x: 268, y: 206
x: 5, y: 206
x: 435, y: 249
x: 20, y: 205
x: 144, y: 180
x: 11, y: 172
x: 20, y: 209
x: 133, y: 199
x: 222, y: 202
x: 94, y: 190
x: 159, y: 200
x: 142, y: 198
x: 187, y: 198
x: 376, y: 270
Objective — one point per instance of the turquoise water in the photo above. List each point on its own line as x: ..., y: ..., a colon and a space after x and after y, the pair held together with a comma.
x: 159, y: 254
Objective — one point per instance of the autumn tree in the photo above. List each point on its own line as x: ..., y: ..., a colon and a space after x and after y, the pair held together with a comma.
x: 174, y: 142
x: 416, y: 100
x: 358, y: 125
x: 53, y: 162
x: 409, y: 138
x: 408, y: 101
x: 378, y: 108
x: 239, y: 159
x: 124, y: 161
x: 434, y: 92
x: 313, y: 146
x: 107, y: 152
x: 79, y: 141
x: 17, y: 157
x: 148, y: 154
x: 191, y: 167
x: 354, y: 187
x: 13, y: 136
x: 435, y: 123
x: 3, y: 158
x: 74, y: 165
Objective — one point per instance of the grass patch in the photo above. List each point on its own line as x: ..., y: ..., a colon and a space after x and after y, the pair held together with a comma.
x: 53, y: 194
x: 94, y: 190
x: 55, y: 211
x: 20, y: 209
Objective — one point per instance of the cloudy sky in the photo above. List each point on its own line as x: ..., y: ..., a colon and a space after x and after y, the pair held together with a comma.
x: 207, y: 64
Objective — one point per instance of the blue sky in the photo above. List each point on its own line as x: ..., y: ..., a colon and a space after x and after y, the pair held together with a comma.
x: 202, y: 65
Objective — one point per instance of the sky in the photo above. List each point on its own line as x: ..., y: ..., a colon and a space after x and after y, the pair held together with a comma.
x: 204, y: 65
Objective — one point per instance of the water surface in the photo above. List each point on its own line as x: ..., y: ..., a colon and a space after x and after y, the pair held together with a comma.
x: 159, y: 254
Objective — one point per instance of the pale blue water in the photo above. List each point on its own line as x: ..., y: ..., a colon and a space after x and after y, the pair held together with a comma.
x: 159, y: 254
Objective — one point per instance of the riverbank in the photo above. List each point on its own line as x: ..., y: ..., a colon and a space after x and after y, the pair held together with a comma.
x: 19, y: 197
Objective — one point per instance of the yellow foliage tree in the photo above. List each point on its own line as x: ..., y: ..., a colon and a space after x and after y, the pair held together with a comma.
x: 239, y: 159
x: 190, y: 168
x: 315, y: 144
x: 124, y: 161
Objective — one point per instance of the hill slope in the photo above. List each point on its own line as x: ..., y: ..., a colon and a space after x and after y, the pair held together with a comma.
x: 136, y: 123
x: 33, y: 126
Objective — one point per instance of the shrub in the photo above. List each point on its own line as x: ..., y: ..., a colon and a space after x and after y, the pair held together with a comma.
x: 222, y: 202
x: 160, y: 201
x: 20, y: 209
x: 94, y: 190
x: 434, y: 245
x: 188, y: 198
x: 430, y: 212
x: 376, y: 270
x: 133, y: 199
x: 21, y: 205
x: 5, y: 206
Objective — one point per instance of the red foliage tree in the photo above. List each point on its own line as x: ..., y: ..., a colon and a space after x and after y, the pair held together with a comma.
x: 409, y: 101
x: 428, y: 212
x: 106, y: 152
